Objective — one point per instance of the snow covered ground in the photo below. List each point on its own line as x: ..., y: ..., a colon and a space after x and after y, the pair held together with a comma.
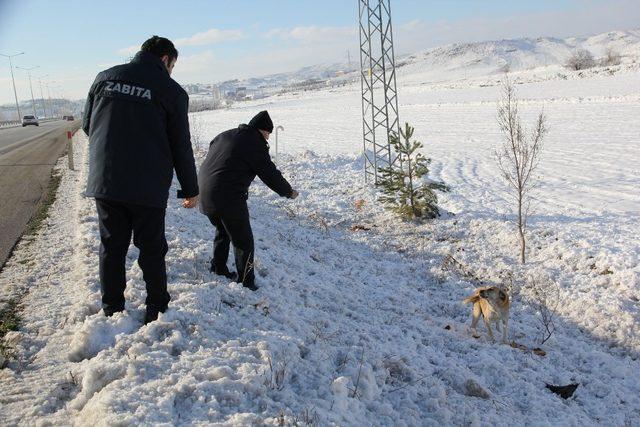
x: 359, y: 327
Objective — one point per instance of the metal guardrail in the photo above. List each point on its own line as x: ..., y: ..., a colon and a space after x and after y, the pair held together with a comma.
x: 16, y: 123
x: 9, y: 124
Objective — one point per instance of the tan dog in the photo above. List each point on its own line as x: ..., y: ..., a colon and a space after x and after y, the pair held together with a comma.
x: 493, y: 304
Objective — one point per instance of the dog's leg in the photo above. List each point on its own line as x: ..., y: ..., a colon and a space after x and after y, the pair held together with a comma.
x: 505, y: 327
x: 474, y: 321
x: 487, y: 323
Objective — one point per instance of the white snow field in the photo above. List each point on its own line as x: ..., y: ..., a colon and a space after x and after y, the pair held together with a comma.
x: 359, y: 327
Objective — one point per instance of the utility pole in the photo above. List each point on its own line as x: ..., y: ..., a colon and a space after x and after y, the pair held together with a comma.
x: 60, y: 101
x: 49, y: 95
x: 55, y: 104
x: 33, y: 103
x: 15, y: 94
x: 62, y: 104
x: 378, y: 83
x: 44, y: 110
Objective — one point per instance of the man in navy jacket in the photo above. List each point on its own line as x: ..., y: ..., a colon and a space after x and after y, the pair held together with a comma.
x: 136, y: 119
x: 234, y: 159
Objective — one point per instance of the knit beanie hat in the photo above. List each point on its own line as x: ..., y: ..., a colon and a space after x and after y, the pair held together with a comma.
x: 262, y: 121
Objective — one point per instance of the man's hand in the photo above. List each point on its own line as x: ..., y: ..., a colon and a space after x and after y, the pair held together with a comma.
x: 190, y: 202
x: 294, y: 194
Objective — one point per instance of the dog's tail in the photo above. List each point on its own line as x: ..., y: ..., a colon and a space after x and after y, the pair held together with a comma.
x: 472, y: 299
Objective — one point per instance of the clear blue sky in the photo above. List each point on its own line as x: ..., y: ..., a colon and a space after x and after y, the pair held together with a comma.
x: 71, y: 40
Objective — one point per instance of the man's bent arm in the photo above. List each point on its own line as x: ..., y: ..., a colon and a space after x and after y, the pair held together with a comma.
x: 268, y: 172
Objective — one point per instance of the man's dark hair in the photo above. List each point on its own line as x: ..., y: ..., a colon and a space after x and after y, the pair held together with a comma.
x: 160, y: 47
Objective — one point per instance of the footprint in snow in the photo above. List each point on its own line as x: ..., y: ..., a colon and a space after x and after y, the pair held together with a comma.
x: 99, y: 332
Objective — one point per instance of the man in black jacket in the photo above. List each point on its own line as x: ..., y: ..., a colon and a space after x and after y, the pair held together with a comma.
x: 234, y: 159
x: 136, y: 119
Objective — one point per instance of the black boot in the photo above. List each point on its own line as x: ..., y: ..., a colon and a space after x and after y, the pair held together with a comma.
x: 152, y: 314
x: 108, y: 312
x: 251, y: 286
x: 232, y: 275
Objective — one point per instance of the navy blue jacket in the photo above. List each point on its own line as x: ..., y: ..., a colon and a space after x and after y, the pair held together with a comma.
x: 234, y: 159
x: 136, y: 119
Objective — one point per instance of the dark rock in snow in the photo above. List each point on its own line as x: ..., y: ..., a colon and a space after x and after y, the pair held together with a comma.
x: 564, y: 391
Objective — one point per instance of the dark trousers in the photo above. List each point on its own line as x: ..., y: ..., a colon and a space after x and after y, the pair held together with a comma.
x: 234, y: 227
x: 117, y: 222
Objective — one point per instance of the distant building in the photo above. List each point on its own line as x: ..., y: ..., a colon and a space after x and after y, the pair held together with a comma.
x: 215, y: 93
x: 191, y: 88
x: 241, y: 93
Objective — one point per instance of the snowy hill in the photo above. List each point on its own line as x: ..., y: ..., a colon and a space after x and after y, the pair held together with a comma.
x: 463, y: 60
x: 275, y: 83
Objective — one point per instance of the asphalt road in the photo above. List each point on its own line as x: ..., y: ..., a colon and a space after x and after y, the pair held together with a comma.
x: 27, y: 156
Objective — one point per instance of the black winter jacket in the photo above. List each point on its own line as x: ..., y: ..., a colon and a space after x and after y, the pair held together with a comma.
x: 136, y: 119
x: 234, y: 159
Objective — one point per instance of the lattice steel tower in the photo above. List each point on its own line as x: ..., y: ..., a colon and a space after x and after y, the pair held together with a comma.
x: 378, y: 80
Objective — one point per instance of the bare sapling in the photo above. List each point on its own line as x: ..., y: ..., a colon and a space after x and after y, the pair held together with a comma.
x: 197, y: 132
x: 354, y: 390
x: 545, y: 298
x: 518, y: 156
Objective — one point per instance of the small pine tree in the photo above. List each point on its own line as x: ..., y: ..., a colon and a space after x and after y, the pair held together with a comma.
x: 405, y: 191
